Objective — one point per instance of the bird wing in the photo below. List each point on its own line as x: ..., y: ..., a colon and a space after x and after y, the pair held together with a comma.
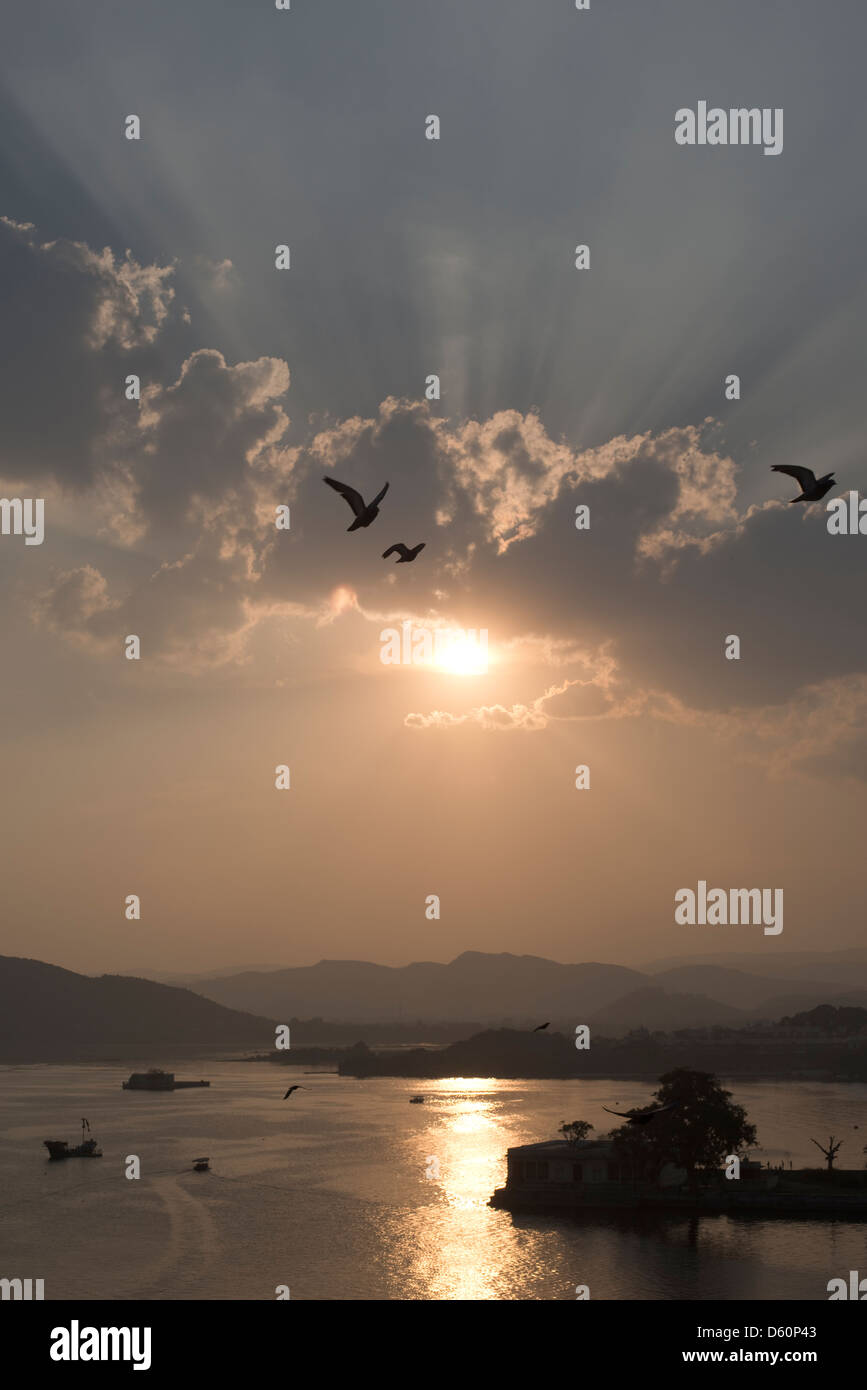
x: 805, y: 476
x: 355, y: 499
x: 379, y: 496
x: 624, y: 1114
x: 399, y: 549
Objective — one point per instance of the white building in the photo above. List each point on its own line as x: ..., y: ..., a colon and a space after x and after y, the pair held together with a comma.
x: 590, y: 1163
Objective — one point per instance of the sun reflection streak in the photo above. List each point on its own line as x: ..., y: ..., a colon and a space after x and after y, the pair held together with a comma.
x: 455, y: 1259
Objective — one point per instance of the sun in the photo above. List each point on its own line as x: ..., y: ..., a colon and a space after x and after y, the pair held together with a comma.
x: 463, y: 657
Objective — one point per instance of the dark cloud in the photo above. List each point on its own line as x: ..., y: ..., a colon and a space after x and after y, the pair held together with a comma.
x: 72, y: 318
x: 668, y: 569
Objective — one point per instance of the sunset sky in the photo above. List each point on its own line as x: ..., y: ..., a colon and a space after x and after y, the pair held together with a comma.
x: 602, y: 387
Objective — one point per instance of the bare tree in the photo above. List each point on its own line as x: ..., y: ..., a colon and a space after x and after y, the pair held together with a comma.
x: 831, y: 1151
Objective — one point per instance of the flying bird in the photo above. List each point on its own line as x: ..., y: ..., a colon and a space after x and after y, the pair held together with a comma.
x: 365, y: 512
x: 541, y: 1027
x: 640, y: 1117
x: 813, y: 489
x: 294, y: 1088
x: 406, y: 555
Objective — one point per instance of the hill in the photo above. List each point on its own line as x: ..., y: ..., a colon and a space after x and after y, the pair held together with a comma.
x: 47, y: 1013
x: 498, y: 987
x: 656, y: 1009
x: 839, y: 1023
x: 509, y: 990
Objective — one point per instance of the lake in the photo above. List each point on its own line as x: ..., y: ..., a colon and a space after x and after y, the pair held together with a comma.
x: 328, y: 1191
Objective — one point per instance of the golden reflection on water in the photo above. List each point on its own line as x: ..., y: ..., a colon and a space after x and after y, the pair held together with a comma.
x: 463, y: 1251
x: 338, y: 1190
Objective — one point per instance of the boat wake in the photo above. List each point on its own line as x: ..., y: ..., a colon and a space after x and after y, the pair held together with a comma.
x: 193, y: 1245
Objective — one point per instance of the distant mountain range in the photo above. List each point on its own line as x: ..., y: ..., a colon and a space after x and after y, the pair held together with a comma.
x: 47, y: 1013
x: 475, y: 985
x: 508, y: 990
x: 846, y: 967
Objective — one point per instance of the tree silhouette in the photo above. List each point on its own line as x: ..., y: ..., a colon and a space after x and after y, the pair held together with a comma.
x: 697, y: 1135
x: 831, y: 1151
x: 576, y: 1131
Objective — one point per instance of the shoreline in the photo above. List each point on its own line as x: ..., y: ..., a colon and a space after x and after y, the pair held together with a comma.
x: 792, y: 1205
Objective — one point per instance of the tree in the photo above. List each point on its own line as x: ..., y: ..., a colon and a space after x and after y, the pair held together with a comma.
x: 631, y: 1146
x: 576, y: 1131
x: 697, y: 1135
x: 831, y: 1151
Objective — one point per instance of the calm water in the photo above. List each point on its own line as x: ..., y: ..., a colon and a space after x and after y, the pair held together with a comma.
x: 327, y: 1192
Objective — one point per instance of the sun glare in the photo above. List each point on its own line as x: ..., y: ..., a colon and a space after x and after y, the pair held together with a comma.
x: 463, y: 658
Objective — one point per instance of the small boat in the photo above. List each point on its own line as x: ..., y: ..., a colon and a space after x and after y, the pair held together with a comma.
x: 58, y: 1148
x: 417, y: 1100
x: 201, y: 1165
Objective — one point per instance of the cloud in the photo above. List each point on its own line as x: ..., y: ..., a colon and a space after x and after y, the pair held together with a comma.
x: 598, y: 693
x: 190, y: 477
x: 485, y: 716
x: 72, y: 320
x: 202, y: 442
x: 75, y: 605
x: 216, y: 275
x: 820, y: 730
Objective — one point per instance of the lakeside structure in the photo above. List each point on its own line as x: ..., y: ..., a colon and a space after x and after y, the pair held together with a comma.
x: 157, y: 1080
x: 592, y: 1175
x: 587, y: 1173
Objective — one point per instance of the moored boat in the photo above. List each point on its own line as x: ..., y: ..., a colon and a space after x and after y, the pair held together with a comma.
x: 157, y: 1080
x: 58, y: 1148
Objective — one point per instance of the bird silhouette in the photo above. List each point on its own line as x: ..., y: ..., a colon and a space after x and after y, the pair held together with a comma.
x: 640, y: 1117
x: 813, y: 489
x: 541, y: 1028
x: 406, y: 555
x: 365, y: 512
x: 294, y: 1088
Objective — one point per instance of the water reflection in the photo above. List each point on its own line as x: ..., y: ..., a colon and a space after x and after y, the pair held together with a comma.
x: 333, y: 1198
x: 461, y: 1249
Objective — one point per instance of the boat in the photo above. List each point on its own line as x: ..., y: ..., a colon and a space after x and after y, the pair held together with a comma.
x: 58, y: 1148
x: 417, y: 1100
x: 156, y: 1080
x: 201, y: 1165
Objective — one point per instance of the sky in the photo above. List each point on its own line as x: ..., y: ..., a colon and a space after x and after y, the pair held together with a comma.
x: 559, y: 387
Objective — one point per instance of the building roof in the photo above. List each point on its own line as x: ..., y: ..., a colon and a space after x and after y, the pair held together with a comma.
x: 560, y: 1148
